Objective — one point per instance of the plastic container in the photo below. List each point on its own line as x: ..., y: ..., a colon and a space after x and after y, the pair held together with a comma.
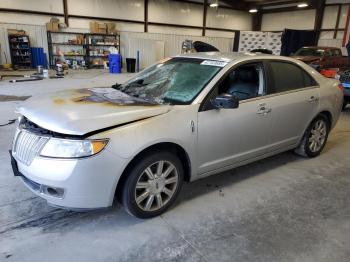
x: 130, y: 65
x: 114, y: 63
x: 38, y: 57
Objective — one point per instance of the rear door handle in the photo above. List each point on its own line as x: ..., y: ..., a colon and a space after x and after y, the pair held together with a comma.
x: 313, y: 99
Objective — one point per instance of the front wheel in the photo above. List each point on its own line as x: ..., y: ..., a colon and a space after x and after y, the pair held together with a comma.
x: 152, y: 185
x: 315, y: 137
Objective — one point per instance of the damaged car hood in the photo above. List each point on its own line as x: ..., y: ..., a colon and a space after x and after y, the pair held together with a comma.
x: 81, y: 111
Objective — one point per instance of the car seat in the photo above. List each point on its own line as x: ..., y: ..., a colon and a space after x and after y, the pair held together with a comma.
x: 244, y: 83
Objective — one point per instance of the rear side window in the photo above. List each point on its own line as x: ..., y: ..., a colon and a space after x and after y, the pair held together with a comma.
x: 287, y: 77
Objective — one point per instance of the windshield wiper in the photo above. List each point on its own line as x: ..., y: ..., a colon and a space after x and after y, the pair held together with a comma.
x: 116, y: 86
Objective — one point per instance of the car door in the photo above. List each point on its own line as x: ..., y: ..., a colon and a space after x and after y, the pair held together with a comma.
x: 294, y: 101
x: 230, y: 136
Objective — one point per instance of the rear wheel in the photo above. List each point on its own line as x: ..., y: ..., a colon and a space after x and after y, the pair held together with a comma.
x: 152, y: 185
x: 315, y: 137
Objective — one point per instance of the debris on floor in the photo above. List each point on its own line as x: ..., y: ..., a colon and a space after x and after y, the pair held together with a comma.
x: 7, y: 98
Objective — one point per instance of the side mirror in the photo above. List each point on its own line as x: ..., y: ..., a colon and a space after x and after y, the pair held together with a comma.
x: 225, y: 101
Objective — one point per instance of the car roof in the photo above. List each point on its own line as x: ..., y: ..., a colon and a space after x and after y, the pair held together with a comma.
x: 230, y: 56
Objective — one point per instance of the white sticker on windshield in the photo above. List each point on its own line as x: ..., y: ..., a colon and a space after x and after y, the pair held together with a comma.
x: 214, y: 63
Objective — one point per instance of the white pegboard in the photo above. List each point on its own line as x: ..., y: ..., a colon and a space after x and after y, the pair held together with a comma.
x: 250, y: 40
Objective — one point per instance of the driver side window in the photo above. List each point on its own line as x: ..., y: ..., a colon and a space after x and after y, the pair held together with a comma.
x: 245, y: 82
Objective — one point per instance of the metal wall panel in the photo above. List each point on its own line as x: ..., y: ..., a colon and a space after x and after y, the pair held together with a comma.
x: 54, y: 6
x: 121, y: 26
x: 130, y: 42
x: 229, y: 19
x: 304, y: 19
x: 343, y: 15
x: 172, y: 12
x: 132, y: 10
x: 329, y: 17
x: 37, y: 36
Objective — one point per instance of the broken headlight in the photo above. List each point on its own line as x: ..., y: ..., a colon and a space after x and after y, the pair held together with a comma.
x: 64, y: 148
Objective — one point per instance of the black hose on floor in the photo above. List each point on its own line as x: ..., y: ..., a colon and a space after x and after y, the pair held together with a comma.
x: 10, y: 122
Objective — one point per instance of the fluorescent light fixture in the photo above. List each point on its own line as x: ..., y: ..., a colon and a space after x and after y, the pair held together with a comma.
x: 254, y: 10
x: 303, y: 5
x: 214, y: 4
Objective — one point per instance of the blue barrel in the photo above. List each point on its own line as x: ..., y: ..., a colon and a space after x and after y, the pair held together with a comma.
x: 38, y: 57
x: 115, y: 63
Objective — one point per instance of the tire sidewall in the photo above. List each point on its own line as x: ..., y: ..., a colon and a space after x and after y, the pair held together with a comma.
x: 128, y: 196
x: 307, y: 136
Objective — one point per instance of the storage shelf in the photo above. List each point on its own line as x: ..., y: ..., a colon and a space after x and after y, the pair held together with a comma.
x: 66, y: 33
x: 17, y: 49
x: 69, y: 55
x: 67, y: 44
x: 84, y: 47
x: 96, y: 34
x: 101, y: 45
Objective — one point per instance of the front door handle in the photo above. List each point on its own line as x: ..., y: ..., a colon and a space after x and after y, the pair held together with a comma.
x: 263, y: 110
x: 313, y: 99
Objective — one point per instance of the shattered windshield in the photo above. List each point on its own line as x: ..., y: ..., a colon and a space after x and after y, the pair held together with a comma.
x: 176, y: 81
x: 309, y: 52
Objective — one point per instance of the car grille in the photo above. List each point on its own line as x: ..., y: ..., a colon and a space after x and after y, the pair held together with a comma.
x: 27, y: 145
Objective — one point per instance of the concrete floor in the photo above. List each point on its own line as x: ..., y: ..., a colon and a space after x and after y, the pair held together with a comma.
x: 284, y: 208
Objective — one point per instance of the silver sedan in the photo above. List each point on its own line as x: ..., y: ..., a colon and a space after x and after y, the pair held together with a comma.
x: 182, y: 119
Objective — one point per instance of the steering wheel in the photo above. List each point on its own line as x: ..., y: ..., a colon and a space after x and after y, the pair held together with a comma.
x: 241, y: 92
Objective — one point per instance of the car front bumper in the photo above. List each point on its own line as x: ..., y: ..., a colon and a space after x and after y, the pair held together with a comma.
x: 76, y: 184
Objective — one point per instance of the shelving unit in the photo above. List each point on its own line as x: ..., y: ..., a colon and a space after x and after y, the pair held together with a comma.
x: 97, y: 48
x: 92, y: 52
x: 70, y: 44
x: 20, y: 51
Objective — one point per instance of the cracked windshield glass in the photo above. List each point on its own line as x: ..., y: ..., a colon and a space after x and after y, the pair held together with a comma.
x: 176, y: 81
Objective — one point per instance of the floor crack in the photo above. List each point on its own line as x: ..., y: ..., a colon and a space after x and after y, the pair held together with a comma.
x: 183, y: 238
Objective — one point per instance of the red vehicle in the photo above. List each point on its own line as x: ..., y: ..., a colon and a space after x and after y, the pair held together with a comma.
x: 322, y: 57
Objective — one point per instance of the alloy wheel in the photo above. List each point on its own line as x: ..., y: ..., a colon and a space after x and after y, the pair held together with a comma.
x: 156, y: 186
x: 318, y: 136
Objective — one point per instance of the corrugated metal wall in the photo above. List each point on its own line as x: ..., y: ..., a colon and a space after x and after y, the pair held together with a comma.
x: 147, y: 43
x: 131, y: 42
x: 37, y: 36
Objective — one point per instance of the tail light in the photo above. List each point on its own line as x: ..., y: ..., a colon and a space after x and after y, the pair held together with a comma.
x: 341, y: 87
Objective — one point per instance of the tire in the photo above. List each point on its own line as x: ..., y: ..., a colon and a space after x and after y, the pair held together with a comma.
x: 144, y: 197
x: 344, y: 105
x: 312, y: 147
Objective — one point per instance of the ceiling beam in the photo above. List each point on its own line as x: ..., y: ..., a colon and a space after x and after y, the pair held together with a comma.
x: 237, y: 4
x: 205, y: 10
x: 320, y: 6
x: 146, y: 16
x: 275, y: 3
x: 65, y: 12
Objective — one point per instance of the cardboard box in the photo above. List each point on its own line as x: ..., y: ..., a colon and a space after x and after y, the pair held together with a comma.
x: 52, y: 27
x: 111, y: 28
x: 15, y: 32
x: 102, y: 26
x: 102, y: 31
x: 93, y: 27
